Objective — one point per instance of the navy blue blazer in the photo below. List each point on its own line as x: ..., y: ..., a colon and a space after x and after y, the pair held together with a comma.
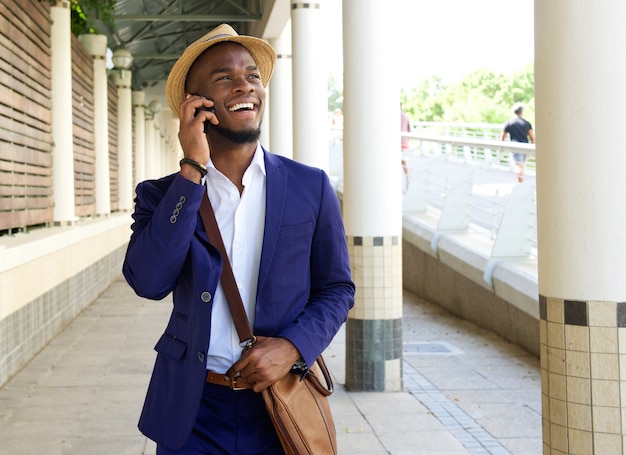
x: 304, y: 290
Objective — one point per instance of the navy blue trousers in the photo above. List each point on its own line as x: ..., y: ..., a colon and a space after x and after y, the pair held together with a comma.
x: 230, y: 422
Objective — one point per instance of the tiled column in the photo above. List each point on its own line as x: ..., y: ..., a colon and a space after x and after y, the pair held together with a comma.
x: 310, y: 85
x: 581, y: 218
x: 583, y: 353
x: 96, y: 45
x: 372, y: 199
x: 281, y: 125
x: 62, y: 127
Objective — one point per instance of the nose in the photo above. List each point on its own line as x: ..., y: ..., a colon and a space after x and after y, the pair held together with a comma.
x: 242, y: 84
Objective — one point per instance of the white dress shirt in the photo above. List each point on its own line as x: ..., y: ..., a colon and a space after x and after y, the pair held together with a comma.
x: 241, y: 220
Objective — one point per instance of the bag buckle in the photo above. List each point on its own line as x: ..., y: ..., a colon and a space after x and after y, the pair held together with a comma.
x: 247, y: 344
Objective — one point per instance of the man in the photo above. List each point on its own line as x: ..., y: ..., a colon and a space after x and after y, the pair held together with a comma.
x: 520, y: 130
x: 283, y: 232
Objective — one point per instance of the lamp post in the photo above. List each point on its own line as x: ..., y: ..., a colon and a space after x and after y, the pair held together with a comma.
x: 122, y: 60
x: 154, y: 107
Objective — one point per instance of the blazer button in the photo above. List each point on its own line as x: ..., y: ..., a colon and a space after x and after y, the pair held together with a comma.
x: 182, y: 199
x: 206, y: 297
x: 201, y: 356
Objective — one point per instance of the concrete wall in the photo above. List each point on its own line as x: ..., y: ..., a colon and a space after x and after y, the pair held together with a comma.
x: 48, y: 276
x: 452, y: 276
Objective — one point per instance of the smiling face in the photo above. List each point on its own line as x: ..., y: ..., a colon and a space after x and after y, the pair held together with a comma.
x: 227, y: 74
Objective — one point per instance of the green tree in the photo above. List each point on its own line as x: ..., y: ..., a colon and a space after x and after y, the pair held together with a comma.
x: 335, y: 93
x: 479, y: 97
x: 423, y: 102
x: 86, y: 16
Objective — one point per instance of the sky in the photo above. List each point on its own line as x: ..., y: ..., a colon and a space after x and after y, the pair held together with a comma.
x: 451, y: 38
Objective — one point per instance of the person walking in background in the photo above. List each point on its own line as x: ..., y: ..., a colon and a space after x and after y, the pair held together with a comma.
x: 520, y: 130
x: 283, y: 232
x: 405, y: 127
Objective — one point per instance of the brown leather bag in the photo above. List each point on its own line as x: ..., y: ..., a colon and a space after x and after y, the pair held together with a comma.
x: 300, y: 411
x: 298, y: 405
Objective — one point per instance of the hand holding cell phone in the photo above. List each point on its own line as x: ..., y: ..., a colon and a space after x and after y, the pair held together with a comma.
x: 207, y: 124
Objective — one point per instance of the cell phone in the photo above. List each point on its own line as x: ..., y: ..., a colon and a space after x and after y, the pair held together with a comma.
x: 207, y: 124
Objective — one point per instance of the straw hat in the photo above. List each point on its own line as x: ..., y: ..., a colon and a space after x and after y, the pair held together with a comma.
x: 262, y: 53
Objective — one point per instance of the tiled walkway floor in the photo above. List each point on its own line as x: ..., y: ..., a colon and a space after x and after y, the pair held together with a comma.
x: 466, y: 390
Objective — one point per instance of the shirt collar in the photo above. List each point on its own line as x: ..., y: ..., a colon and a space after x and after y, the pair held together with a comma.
x: 256, y: 165
x: 257, y: 159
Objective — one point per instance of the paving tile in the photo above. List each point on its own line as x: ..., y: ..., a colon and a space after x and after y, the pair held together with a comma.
x: 104, y: 445
x: 82, y: 394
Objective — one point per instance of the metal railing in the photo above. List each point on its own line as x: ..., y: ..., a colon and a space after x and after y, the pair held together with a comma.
x: 463, y: 176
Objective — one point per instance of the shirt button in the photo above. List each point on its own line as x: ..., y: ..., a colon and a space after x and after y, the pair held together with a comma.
x: 201, y: 356
x: 206, y: 296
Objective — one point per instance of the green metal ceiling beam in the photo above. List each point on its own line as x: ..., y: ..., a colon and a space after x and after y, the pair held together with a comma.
x: 187, y: 18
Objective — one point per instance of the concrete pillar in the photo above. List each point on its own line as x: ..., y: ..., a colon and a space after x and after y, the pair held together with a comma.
x: 175, y: 144
x: 122, y: 80
x: 96, y: 45
x: 139, y: 99
x: 267, y: 120
x: 372, y: 198
x: 150, y: 146
x: 158, y: 148
x: 281, y: 100
x: 62, y: 127
x: 310, y: 85
x: 580, y: 98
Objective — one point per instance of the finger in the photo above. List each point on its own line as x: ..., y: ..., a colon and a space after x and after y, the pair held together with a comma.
x: 236, y: 367
x: 261, y: 386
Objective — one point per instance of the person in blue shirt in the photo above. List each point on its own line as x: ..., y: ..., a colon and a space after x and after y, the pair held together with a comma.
x: 519, y: 130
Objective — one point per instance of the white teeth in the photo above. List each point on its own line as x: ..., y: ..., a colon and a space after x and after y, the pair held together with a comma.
x: 236, y: 107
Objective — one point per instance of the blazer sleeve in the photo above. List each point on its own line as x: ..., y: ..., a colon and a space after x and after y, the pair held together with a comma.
x: 165, y: 218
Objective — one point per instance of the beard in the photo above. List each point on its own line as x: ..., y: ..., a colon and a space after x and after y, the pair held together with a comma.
x: 239, y: 137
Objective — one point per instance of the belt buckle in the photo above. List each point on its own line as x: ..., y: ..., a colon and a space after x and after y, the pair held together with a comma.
x: 233, y: 382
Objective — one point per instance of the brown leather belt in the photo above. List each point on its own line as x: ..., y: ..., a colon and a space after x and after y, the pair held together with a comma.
x: 221, y: 379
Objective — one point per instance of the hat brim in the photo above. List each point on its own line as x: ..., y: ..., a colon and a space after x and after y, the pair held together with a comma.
x: 262, y: 53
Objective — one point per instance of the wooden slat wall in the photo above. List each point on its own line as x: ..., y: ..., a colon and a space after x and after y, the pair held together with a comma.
x: 83, y: 134
x: 25, y: 114
x: 26, y: 152
x: 113, y: 161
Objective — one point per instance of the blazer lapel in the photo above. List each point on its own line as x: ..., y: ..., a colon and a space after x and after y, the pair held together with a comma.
x: 276, y: 188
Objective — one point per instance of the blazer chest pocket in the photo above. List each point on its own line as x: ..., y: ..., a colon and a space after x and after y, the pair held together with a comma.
x: 171, y: 346
x: 298, y: 230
